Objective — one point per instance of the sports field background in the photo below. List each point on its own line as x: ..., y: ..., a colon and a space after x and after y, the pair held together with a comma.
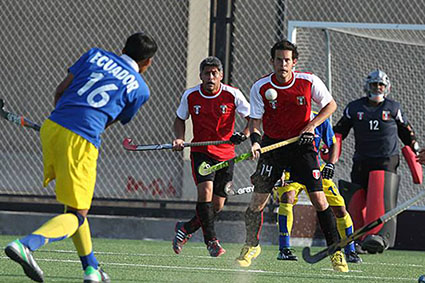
x: 41, y: 39
x: 155, y: 261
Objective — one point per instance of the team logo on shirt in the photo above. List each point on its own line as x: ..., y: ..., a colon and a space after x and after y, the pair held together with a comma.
x: 360, y: 115
x: 300, y: 100
x: 316, y: 174
x: 273, y: 104
x: 386, y: 115
x: 197, y: 109
x: 223, y: 109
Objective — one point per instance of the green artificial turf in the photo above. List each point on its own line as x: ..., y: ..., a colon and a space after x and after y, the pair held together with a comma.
x: 155, y: 261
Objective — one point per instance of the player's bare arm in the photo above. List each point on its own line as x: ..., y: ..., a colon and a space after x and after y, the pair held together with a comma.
x: 179, y: 127
x: 254, y: 128
x: 62, y: 87
x: 246, y: 130
x: 334, y: 153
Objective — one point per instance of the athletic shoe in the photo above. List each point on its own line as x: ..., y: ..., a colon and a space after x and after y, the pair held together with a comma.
x: 353, y: 257
x: 180, y: 238
x: 286, y: 254
x: 215, y: 248
x: 359, y: 249
x: 22, y: 255
x: 338, y: 262
x: 248, y: 253
x: 373, y: 244
x: 92, y: 275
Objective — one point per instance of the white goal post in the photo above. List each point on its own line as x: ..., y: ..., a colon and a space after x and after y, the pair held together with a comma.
x: 346, y: 26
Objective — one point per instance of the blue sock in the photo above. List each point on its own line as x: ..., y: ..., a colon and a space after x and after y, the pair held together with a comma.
x: 89, y: 259
x: 283, y: 233
x: 33, y: 242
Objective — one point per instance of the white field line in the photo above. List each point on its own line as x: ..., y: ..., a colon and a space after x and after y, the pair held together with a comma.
x: 234, y: 270
x: 194, y: 256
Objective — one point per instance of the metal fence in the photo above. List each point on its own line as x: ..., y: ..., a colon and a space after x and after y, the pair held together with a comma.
x: 41, y: 39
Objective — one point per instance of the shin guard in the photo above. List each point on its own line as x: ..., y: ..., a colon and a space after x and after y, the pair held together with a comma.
x: 355, y: 198
x: 205, y: 213
x: 382, y: 197
x: 328, y: 225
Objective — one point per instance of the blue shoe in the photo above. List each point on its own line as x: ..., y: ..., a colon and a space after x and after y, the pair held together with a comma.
x: 19, y: 253
x: 92, y: 275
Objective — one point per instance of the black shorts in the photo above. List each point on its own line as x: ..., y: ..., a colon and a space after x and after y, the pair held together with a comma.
x: 361, y: 168
x: 221, y: 179
x: 302, y: 159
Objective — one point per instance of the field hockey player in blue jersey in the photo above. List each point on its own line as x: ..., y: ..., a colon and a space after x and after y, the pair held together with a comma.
x: 99, y: 89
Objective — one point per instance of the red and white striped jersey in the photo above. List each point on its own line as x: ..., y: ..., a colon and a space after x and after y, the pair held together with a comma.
x: 213, y: 117
x: 289, y: 113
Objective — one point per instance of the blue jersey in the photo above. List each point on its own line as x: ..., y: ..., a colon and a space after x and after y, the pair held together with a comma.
x: 105, y: 87
x: 325, y: 133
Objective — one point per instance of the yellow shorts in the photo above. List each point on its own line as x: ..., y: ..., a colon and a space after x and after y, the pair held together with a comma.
x: 72, y: 161
x: 331, y: 192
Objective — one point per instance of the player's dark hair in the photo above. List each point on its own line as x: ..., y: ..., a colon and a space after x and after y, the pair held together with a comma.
x: 140, y: 46
x: 284, y: 45
x: 211, y: 61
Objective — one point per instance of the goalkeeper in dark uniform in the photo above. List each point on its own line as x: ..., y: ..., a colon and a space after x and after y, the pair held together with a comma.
x: 378, y: 123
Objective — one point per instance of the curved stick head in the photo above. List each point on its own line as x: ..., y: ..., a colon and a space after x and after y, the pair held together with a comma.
x: 127, y: 144
x: 204, y: 169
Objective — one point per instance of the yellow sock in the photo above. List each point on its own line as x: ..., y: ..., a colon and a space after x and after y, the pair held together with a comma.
x: 342, y: 224
x: 82, y: 239
x: 62, y: 226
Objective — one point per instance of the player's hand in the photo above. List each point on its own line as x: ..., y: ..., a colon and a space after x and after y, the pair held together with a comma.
x: 415, y: 147
x: 421, y: 156
x: 306, y: 138
x: 237, y: 138
x: 328, y: 171
x: 178, y: 144
x: 255, y: 150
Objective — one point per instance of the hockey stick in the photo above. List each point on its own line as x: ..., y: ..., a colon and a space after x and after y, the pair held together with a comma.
x: 17, y: 119
x: 359, y: 233
x: 144, y: 147
x: 206, y: 169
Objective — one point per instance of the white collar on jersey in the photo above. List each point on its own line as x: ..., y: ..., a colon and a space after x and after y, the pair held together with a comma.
x: 130, y: 61
x: 210, y: 96
x: 280, y: 86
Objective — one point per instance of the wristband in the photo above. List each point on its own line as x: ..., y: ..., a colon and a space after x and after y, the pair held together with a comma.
x: 255, y: 137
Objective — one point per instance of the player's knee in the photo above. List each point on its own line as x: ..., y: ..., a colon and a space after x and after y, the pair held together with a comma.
x: 339, y: 211
x: 218, y: 207
x: 287, y: 197
x: 80, y: 217
x: 258, y: 202
x: 318, y: 200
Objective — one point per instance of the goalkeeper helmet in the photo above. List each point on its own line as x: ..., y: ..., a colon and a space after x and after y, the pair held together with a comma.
x: 378, y: 77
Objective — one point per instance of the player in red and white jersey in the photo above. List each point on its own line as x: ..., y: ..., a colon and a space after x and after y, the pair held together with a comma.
x: 212, y: 107
x: 286, y: 116
x: 213, y: 117
x: 281, y: 104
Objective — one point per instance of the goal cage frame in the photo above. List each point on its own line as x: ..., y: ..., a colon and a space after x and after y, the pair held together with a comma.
x: 349, y: 28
